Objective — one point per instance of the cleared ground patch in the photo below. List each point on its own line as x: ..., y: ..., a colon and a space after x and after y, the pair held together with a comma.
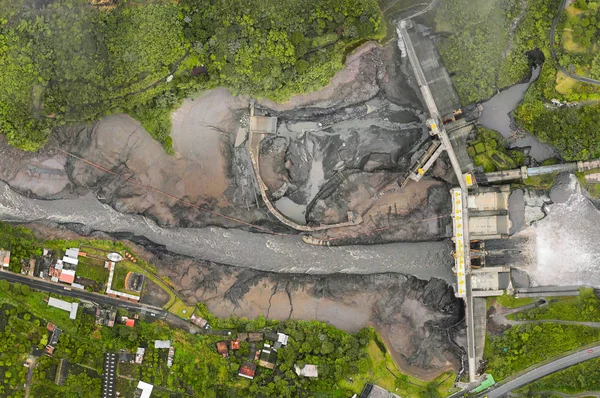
x: 564, y: 83
x: 569, y: 43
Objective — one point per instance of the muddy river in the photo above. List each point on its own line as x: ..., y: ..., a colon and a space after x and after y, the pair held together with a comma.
x: 233, y: 246
x: 496, y: 116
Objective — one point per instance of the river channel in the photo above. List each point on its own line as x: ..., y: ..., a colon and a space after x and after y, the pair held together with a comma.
x: 236, y: 247
x: 496, y: 116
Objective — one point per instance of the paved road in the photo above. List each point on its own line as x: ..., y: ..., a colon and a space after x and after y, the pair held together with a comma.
x: 583, y: 79
x: 544, y: 370
x: 424, y: 10
x: 51, y: 287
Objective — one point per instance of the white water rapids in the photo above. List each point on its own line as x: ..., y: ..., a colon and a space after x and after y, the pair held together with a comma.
x: 564, y: 247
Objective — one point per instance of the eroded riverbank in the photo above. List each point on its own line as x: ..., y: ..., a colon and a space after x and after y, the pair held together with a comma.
x: 234, y: 246
x: 421, y: 321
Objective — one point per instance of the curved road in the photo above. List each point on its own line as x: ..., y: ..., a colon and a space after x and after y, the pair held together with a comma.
x: 544, y: 370
x: 583, y: 79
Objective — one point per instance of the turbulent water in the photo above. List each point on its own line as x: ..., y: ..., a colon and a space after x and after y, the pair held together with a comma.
x: 237, y: 247
x: 563, y: 247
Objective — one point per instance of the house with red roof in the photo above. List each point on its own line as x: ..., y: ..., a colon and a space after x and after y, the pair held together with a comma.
x: 247, y: 370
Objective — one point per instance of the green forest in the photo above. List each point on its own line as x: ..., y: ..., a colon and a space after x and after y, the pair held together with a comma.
x: 476, y: 39
x: 570, y: 129
x: 482, y: 57
x: 198, y: 370
x: 525, y: 345
x: 74, y: 61
x: 579, y: 32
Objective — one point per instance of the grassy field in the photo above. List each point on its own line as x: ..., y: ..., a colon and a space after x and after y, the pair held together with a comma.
x: 122, y: 269
x: 583, y: 308
x: 570, y: 45
x: 179, y: 306
x: 564, y: 83
x: 592, y: 187
x: 90, y: 269
x: 511, y: 301
x: 384, y: 373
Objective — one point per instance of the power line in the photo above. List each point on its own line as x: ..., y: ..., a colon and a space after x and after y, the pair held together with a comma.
x: 237, y: 220
x: 185, y: 202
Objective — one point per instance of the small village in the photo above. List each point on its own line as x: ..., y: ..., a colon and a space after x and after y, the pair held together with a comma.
x: 86, y: 268
x: 102, y: 273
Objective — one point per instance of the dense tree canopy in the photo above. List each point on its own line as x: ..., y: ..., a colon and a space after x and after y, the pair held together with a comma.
x: 70, y: 61
x: 474, y: 49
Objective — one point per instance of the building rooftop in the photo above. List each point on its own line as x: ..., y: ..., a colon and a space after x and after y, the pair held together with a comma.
x: 162, y: 343
x: 64, y: 305
x: 282, y: 338
x: 72, y: 253
x: 488, y: 200
x: 373, y: 391
x: 130, y: 322
x: 67, y: 276
x: 307, y: 371
x: 268, y: 357
x: 171, y: 357
x: 69, y: 260
x: 109, y: 375
x: 53, y: 340
x: 263, y: 124
x: 144, y: 390
x: 255, y: 337
x: 222, y: 348
x: 235, y: 344
x: 247, y: 370
x: 5, y: 256
x: 139, y: 355
x: 199, y: 321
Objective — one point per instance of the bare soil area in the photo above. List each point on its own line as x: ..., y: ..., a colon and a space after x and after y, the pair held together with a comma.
x: 202, y: 133
x: 418, y: 320
x: 154, y: 294
x: 419, y: 211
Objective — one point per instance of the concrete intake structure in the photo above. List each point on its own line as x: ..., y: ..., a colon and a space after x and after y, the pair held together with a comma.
x: 524, y: 171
